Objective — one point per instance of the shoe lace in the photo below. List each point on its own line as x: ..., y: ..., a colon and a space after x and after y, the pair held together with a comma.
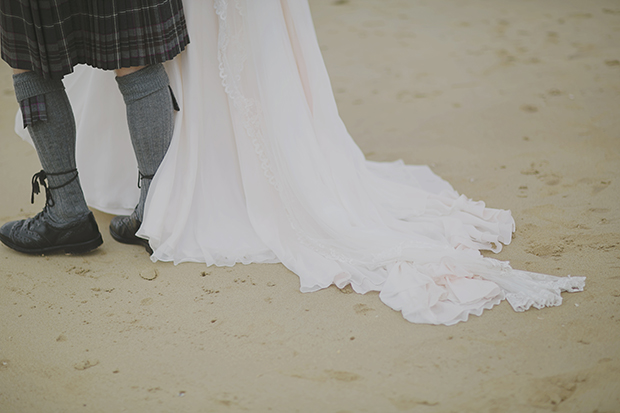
x: 39, y: 180
x: 30, y: 222
x: 141, y: 176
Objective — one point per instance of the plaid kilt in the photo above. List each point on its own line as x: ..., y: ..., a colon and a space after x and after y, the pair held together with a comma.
x: 51, y: 36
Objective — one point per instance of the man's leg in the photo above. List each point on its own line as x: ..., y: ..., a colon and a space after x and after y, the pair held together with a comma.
x: 150, y: 119
x: 65, y: 222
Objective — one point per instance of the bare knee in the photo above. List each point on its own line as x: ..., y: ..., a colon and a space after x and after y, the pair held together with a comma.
x: 19, y: 71
x: 124, y: 71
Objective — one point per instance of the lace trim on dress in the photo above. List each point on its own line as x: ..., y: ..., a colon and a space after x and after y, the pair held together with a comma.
x: 232, y: 56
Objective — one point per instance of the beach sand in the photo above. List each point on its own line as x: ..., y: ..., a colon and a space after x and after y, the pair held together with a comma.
x: 516, y: 103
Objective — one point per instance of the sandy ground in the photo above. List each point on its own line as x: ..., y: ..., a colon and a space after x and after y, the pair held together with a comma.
x: 513, y: 102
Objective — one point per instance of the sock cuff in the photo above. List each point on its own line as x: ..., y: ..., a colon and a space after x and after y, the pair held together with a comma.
x: 142, y: 83
x: 30, y: 84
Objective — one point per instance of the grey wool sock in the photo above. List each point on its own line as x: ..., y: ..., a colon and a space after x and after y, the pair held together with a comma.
x: 53, y: 132
x: 150, y: 120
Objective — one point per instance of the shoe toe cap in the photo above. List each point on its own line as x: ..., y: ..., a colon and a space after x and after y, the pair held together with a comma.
x: 124, y: 226
x: 7, y: 229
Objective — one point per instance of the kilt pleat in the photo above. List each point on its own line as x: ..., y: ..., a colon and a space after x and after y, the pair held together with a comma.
x: 51, y: 36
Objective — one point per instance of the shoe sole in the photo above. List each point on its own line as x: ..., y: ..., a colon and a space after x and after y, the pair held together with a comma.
x: 136, y: 241
x: 79, y: 248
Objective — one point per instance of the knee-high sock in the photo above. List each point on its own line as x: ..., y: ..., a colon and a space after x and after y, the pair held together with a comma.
x: 150, y: 120
x: 53, y: 133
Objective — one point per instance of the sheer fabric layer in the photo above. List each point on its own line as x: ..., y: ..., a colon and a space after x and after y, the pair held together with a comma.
x: 262, y: 169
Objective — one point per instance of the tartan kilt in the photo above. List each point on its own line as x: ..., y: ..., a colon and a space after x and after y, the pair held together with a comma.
x: 51, y: 36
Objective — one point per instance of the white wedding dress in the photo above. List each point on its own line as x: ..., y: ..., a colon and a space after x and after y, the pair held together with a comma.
x: 261, y: 170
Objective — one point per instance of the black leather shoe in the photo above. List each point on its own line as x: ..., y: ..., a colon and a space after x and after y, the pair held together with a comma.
x: 123, y: 228
x: 37, y: 235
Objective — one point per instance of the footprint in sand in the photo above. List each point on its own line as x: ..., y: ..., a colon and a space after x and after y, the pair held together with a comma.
x: 86, y: 364
x: 537, y: 168
x: 343, y: 375
x: 554, y: 92
x: 599, y: 186
x: 545, y: 250
x: 550, y: 179
x: 362, y: 309
x: 553, y: 37
x: 529, y: 108
x: 550, y: 392
x: 410, y: 403
x: 78, y: 271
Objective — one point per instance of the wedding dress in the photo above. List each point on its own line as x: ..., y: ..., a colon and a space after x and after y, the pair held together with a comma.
x: 261, y: 170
